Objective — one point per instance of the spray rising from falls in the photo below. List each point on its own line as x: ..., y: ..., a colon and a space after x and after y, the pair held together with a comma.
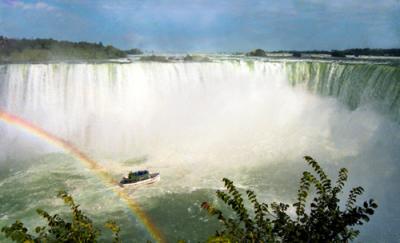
x: 124, y: 109
x: 117, y: 109
x: 97, y: 169
x: 199, y: 122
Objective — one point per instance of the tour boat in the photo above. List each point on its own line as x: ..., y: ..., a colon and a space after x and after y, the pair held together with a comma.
x: 140, y: 177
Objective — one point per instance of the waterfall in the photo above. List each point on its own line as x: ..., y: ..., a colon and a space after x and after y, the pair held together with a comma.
x: 114, y: 107
x: 123, y: 107
x: 195, y: 123
x: 355, y: 85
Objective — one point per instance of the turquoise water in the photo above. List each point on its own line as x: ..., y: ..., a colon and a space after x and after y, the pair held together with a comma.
x: 195, y: 124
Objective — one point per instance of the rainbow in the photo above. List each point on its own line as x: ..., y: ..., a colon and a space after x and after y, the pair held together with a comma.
x: 98, y: 170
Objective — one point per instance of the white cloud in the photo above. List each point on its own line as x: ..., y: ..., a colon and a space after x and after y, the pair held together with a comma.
x: 33, y: 6
x: 357, y: 4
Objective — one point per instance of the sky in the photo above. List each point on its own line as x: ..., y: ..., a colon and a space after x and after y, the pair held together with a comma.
x: 208, y: 25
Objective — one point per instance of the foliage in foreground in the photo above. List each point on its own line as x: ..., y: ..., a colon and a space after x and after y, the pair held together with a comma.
x: 80, y: 229
x: 323, y: 220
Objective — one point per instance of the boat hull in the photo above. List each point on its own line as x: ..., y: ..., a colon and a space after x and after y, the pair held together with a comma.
x: 153, y: 178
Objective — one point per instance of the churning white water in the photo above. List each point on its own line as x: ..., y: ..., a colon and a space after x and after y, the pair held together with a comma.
x: 199, y: 122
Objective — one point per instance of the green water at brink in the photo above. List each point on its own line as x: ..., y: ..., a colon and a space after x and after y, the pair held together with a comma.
x: 258, y: 143
x: 353, y: 84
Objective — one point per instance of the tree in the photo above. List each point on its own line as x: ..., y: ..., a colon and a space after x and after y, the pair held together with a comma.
x: 257, y: 53
x: 80, y: 229
x: 324, y: 220
x: 296, y: 54
x: 43, y: 50
x: 134, y: 51
x: 336, y: 53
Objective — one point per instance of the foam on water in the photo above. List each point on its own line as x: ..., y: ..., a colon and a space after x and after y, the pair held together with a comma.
x: 197, y: 123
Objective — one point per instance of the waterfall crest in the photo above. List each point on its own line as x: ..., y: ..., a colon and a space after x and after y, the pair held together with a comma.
x: 353, y: 84
x: 119, y: 107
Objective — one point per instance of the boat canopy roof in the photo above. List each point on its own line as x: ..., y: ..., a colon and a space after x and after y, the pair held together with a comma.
x: 140, y: 172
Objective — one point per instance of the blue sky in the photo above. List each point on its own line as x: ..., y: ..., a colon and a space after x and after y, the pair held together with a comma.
x: 208, y: 25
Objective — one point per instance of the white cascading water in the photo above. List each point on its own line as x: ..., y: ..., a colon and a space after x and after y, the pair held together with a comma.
x: 354, y: 84
x: 211, y: 120
x: 120, y: 109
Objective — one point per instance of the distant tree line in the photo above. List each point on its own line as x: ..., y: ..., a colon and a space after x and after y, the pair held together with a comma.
x: 257, y: 53
x: 134, y: 51
x: 393, y: 52
x: 38, y: 50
